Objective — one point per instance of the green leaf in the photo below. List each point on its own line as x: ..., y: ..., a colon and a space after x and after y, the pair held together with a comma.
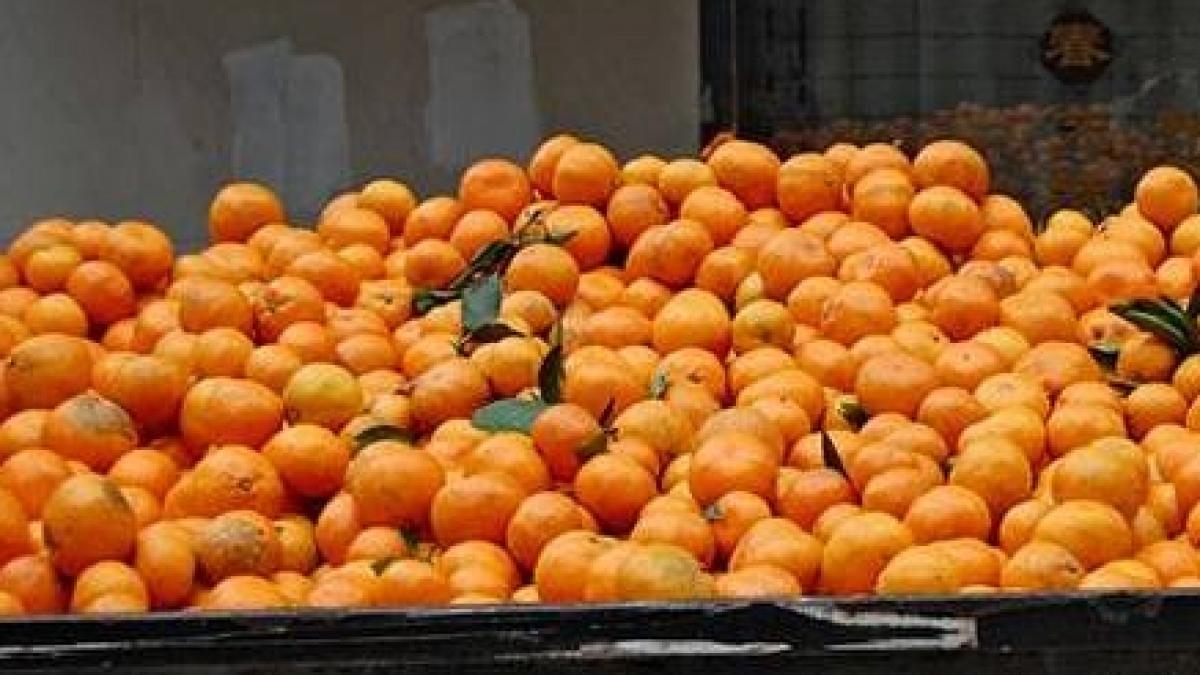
x: 607, y: 414
x: 1105, y: 354
x: 481, y: 302
x: 1168, y: 312
x: 713, y: 512
x: 412, y: 539
x: 1157, y: 325
x: 596, y: 445
x: 510, y: 414
x: 659, y: 385
x: 1177, y: 316
x: 853, y: 412
x: 948, y: 464
x: 550, y: 375
x: 533, y: 217
x: 1193, y: 304
x: 493, y: 254
x: 485, y: 334
x: 560, y: 238
x: 491, y: 259
x: 382, y: 432
x: 1121, y: 385
x: 380, y: 565
x: 426, y: 299
x: 491, y: 332
x: 830, y: 455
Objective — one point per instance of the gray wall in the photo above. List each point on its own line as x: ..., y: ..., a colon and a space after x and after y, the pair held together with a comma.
x: 865, y: 55
x: 140, y: 108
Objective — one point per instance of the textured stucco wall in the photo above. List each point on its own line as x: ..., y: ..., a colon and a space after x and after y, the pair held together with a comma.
x: 124, y: 108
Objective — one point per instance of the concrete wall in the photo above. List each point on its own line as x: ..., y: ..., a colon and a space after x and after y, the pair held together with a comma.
x: 140, y: 108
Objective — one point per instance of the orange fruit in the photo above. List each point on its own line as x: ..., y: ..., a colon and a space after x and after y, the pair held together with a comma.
x: 145, y: 468
x: 322, y: 394
x: 34, y: 583
x: 716, y: 209
x: 497, y: 185
x: 510, y: 454
x: 1151, y: 405
x: 966, y: 364
x: 660, y: 571
x: 997, y: 470
x: 585, y: 173
x: 86, y: 520
x: 310, y: 460
x: 31, y: 475
x: 1166, y: 195
x: 894, y: 382
x: 537, y: 521
x: 782, y: 543
x: 954, y: 164
x: 730, y: 461
x: 590, y: 239
x: 882, y: 198
x: 243, y: 592
x: 731, y: 516
x: 946, y: 216
x: 209, y: 405
x: 871, y: 157
x: 789, y: 257
x: 542, y: 163
x: 858, y: 550
x: 684, y: 529
x: 643, y: 170
x: 227, y: 478
x: 165, y: 561
x: 90, y: 429
x: 544, y: 268
x: 692, y: 318
x: 962, y: 306
x: 475, y: 507
x: 749, y: 170
x: 476, y: 229
x: 918, y: 570
x: 430, y: 263
x: 1171, y: 560
x: 392, y: 200
x: 14, y: 528
x: 679, y: 177
x: 1072, y: 426
x: 948, y: 512
x: 1042, y: 565
x: 805, y: 496
x: 562, y: 568
x: 670, y: 253
x: 412, y: 582
x: 1094, y: 532
x: 856, y: 310
x: 393, y: 484
x: 240, y: 209
x: 757, y: 581
x: 633, y: 209
x: 237, y: 542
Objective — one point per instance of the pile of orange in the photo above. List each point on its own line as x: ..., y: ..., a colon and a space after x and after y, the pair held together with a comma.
x: 848, y: 372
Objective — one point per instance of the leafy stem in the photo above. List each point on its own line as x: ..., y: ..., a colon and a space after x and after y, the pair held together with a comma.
x: 490, y: 261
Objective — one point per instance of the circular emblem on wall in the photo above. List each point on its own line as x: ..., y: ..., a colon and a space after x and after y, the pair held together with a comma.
x: 1077, y: 47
